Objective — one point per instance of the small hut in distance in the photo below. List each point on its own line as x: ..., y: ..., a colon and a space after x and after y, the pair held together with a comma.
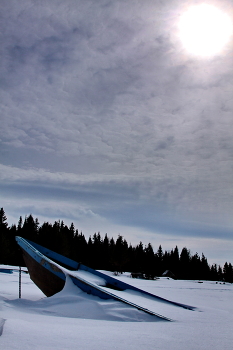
x: 170, y: 274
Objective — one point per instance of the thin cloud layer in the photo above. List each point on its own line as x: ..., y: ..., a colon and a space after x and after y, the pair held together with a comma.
x: 102, y: 105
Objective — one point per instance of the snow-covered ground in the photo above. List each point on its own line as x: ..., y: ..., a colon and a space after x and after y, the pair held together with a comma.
x: 72, y: 319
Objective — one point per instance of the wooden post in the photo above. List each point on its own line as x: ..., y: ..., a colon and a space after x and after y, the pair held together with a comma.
x: 20, y: 273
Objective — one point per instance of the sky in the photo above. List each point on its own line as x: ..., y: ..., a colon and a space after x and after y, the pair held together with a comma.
x: 107, y: 121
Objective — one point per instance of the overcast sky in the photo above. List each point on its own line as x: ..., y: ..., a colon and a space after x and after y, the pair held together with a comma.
x: 107, y: 122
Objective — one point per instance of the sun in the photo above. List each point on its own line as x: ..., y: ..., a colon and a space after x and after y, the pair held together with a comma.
x: 204, y: 30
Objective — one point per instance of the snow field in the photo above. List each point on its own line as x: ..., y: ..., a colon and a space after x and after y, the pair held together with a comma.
x: 72, y: 319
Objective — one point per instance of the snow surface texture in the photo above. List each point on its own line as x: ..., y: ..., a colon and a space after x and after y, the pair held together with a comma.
x: 72, y: 319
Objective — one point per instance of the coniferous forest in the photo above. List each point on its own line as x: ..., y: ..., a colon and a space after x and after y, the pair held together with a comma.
x: 105, y: 253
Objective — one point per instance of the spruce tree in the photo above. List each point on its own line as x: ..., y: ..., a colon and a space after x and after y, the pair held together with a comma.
x: 4, y: 238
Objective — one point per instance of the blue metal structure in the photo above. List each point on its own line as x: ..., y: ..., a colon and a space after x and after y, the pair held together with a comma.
x: 48, y: 271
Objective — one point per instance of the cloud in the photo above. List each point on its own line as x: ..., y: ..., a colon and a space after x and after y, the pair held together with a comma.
x: 105, y: 113
x: 172, y: 205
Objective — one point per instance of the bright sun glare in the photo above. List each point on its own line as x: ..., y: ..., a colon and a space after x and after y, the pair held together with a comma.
x: 205, y: 30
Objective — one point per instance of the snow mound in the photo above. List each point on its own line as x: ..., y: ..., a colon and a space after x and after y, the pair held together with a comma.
x: 72, y: 302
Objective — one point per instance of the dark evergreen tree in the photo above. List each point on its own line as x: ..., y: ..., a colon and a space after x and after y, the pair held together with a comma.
x: 205, y: 269
x: 20, y: 224
x: 166, y: 261
x: 149, y: 262
x: 139, y: 258
x: 9, y: 250
x: 106, y: 257
x: 120, y: 254
x: 66, y: 237
x: 174, y: 261
x: 159, y: 262
x: 3, y: 219
x: 220, y: 274
x: 80, y: 248
x: 195, y: 267
x: 5, y: 246
x: 46, y: 237
x: 30, y: 228
x: 214, y: 273
x: 184, y: 272
x: 228, y: 272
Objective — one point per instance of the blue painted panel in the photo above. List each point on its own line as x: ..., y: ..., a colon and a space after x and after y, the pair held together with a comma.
x: 39, y: 253
x: 81, y: 283
x: 6, y: 270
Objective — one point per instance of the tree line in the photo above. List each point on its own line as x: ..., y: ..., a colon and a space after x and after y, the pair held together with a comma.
x: 104, y: 253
